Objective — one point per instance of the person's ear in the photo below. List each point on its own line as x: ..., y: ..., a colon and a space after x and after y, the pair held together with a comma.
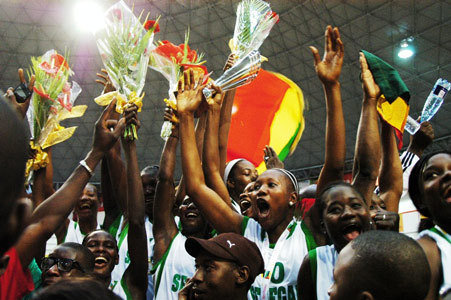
x: 242, y: 275
x: 365, y: 296
x: 293, y: 199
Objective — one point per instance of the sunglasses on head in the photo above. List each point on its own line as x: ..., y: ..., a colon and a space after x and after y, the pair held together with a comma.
x: 63, y: 264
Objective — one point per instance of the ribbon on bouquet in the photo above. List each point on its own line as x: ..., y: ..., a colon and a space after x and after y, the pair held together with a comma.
x: 122, y: 101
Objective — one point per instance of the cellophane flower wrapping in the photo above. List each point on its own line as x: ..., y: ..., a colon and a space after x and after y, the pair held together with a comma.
x: 52, y: 101
x: 124, y: 45
x: 254, y: 20
x: 171, y: 61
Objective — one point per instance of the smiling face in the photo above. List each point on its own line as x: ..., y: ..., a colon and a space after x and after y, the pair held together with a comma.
x: 345, y: 215
x: 192, y: 220
x: 242, y: 174
x: 104, y: 247
x: 247, y: 201
x: 53, y: 274
x: 274, y: 192
x: 88, y: 204
x: 213, y: 279
x: 435, y: 185
x: 149, y: 182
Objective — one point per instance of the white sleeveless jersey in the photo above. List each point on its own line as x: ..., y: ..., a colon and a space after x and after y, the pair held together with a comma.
x: 323, y: 260
x: 173, y: 269
x: 282, y: 260
x: 74, y: 233
x: 443, y: 241
x: 124, y: 258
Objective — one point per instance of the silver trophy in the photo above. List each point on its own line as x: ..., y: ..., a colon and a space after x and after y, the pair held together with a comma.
x: 243, y: 72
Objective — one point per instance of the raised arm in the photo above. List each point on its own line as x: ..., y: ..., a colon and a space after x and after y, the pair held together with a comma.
x: 225, y: 120
x: 328, y: 71
x: 211, y: 160
x: 215, y: 210
x: 110, y: 206
x: 164, y: 226
x: 367, y: 155
x: 390, y: 176
x: 48, y: 216
x: 200, y: 133
x: 136, y: 273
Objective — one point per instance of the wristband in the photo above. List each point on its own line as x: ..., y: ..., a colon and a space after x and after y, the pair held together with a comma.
x: 85, y: 165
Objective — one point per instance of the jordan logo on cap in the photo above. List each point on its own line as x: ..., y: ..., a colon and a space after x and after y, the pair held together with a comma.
x: 230, y: 244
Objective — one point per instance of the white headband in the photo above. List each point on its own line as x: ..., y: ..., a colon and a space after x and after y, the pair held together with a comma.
x: 229, y: 167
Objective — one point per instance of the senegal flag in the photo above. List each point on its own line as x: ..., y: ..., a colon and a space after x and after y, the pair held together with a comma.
x: 268, y: 111
x: 393, y: 105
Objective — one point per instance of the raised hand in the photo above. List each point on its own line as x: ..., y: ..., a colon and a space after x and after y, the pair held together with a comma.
x: 329, y: 68
x: 131, y: 117
x: 271, y: 159
x: 104, y: 137
x: 170, y: 115
x: 421, y: 139
x: 104, y: 80
x: 189, y: 94
x: 370, y: 87
x: 215, y: 102
x: 21, y: 108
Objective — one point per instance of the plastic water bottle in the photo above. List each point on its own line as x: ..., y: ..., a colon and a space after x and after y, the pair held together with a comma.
x: 435, y: 99
x: 431, y: 106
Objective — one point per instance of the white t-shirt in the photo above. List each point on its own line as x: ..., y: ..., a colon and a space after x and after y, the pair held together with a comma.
x: 443, y: 241
x: 173, y: 269
x: 323, y: 260
x: 74, y: 233
x: 282, y: 260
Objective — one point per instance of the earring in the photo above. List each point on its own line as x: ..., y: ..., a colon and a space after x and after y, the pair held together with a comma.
x: 291, y: 204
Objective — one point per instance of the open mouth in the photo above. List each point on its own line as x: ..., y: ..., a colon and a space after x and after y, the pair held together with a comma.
x: 351, y: 231
x: 191, y: 215
x: 85, y: 206
x: 263, y: 207
x: 100, y: 262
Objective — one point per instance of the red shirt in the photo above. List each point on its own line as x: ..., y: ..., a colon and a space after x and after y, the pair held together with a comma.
x: 15, y: 282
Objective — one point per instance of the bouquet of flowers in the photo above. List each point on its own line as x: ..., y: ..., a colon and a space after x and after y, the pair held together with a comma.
x: 171, y: 61
x: 254, y: 20
x: 52, y: 101
x: 124, y: 45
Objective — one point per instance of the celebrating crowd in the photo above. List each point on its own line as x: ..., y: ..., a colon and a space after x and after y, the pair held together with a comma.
x: 225, y: 231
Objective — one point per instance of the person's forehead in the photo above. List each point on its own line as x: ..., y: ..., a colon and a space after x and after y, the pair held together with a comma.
x: 64, y: 252
x: 344, y: 261
x: 342, y: 192
x: 89, y: 188
x: 271, y: 174
x: 100, y: 236
x: 245, y: 164
x: 149, y: 177
x: 438, y: 160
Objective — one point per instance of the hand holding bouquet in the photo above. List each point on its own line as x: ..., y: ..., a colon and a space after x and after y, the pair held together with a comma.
x: 124, y: 46
x: 171, y: 60
x: 52, y: 101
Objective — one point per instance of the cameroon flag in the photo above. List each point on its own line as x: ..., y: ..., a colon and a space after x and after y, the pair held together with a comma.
x: 268, y: 111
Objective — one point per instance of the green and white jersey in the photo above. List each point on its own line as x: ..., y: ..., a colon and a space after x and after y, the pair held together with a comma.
x: 120, y: 289
x: 322, y: 263
x: 124, y: 258
x: 443, y: 241
x: 173, y: 269
x: 282, y: 260
x: 74, y: 234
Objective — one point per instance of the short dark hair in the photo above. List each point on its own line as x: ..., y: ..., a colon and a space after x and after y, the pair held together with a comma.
x: 390, y: 266
x: 88, y: 258
x: 76, y: 289
x: 415, y: 185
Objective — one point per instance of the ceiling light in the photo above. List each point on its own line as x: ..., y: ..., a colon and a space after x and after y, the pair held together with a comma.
x: 88, y: 16
x: 406, y: 48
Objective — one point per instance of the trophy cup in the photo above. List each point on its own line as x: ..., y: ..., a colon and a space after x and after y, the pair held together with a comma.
x: 243, y: 72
